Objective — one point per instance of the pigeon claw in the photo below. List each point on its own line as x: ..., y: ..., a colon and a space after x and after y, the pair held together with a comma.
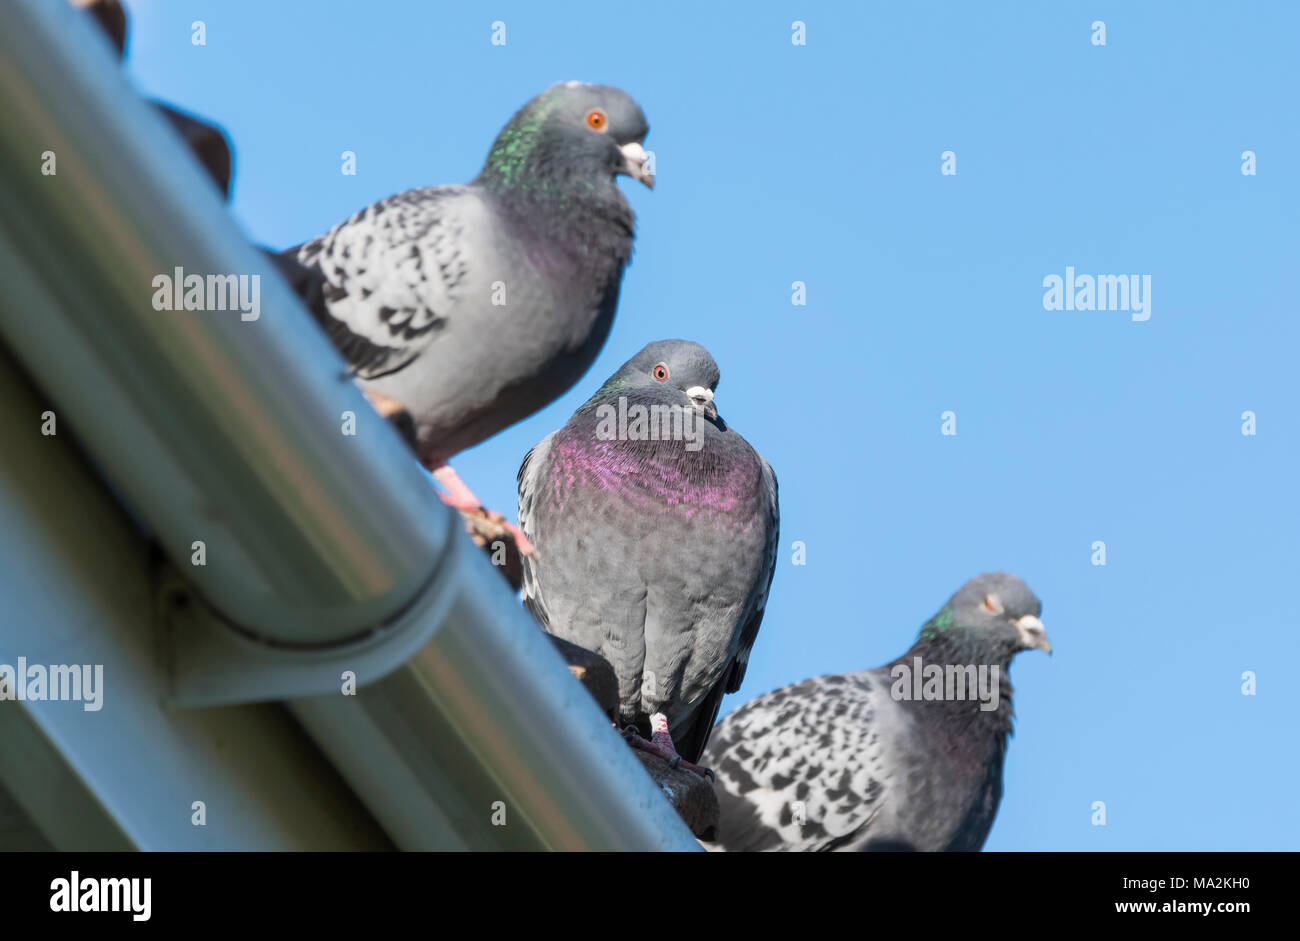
x: 478, y: 517
x: 661, y: 744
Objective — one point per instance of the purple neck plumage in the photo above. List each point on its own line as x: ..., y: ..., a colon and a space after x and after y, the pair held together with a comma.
x: 652, y: 474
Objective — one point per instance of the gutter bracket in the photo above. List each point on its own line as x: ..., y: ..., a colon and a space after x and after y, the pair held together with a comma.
x: 209, y: 661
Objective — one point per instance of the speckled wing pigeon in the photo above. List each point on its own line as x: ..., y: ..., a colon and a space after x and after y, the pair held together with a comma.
x: 886, y: 759
x: 656, y: 530
x: 471, y: 307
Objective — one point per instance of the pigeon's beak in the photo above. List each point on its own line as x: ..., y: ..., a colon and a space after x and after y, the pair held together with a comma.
x: 636, y: 163
x: 1032, y: 634
x: 702, y: 399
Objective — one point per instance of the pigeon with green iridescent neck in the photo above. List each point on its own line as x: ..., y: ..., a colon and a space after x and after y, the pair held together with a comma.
x: 471, y: 307
x: 904, y: 757
x: 656, y: 532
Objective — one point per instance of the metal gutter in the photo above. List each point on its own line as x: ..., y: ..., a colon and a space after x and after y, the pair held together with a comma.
x: 321, y: 549
x: 76, y: 588
x: 230, y: 430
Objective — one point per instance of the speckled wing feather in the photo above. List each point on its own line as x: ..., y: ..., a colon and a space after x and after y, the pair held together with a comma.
x: 807, y: 767
x: 382, y: 282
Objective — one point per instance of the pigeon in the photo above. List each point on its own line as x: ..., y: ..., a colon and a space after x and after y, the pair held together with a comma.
x: 884, y: 759
x: 656, y: 542
x: 471, y: 307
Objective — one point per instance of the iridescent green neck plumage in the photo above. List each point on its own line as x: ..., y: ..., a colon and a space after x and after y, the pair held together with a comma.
x: 607, y: 393
x: 517, y: 161
x: 507, y: 164
x: 943, y: 637
x: 530, y: 160
x: 557, y: 192
x: 936, y: 625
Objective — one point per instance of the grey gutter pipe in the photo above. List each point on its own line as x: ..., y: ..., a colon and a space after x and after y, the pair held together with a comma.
x: 229, y: 433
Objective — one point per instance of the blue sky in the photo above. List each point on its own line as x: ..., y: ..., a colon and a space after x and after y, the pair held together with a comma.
x: 821, y: 164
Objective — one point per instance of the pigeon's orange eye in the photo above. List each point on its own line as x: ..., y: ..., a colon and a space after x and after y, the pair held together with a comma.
x: 596, y: 120
x: 661, y: 372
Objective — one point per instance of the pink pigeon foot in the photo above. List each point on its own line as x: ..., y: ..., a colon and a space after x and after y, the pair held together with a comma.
x: 459, y: 497
x: 661, y: 744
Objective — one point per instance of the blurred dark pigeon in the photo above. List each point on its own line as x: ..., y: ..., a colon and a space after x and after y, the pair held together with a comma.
x: 869, y: 761
x: 471, y: 307
x: 206, y: 141
x: 655, y: 553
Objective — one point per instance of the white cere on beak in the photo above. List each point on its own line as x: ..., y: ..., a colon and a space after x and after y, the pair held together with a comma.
x: 700, y: 394
x: 635, y: 163
x: 1032, y: 633
x: 702, y: 397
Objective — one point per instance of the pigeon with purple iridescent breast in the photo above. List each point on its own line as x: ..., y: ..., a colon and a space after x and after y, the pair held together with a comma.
x: 907, y: 756
x: 656, y: 531
x: 470, y: 307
